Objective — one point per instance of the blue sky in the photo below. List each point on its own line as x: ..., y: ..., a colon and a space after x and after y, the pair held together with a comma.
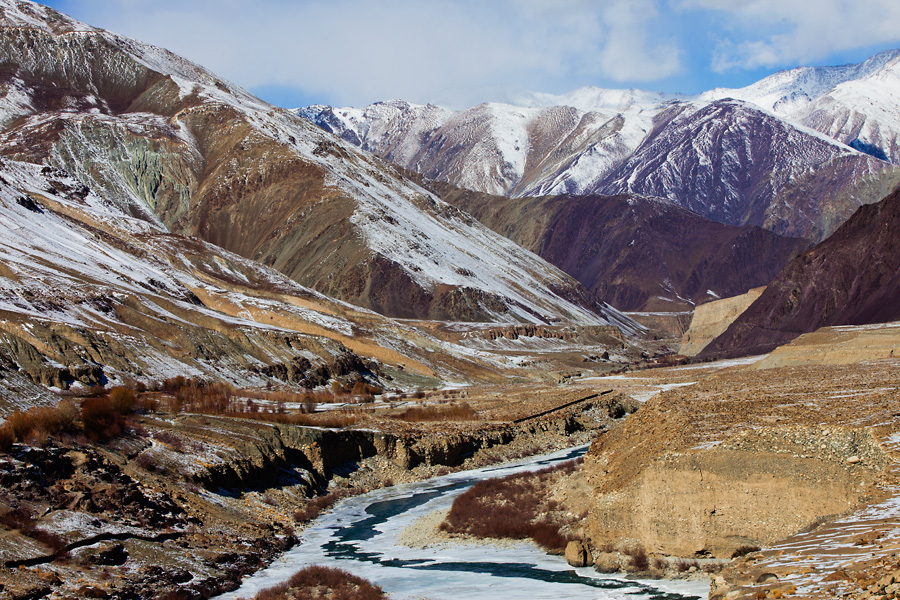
x: 461, y: 52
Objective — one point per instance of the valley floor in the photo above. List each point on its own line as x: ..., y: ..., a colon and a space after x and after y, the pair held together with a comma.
x: 802, y: 461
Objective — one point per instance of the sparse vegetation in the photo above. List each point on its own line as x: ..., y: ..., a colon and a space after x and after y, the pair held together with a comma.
x: 315, y: 506
x: 37, y: 424
x: 638, y: 558
x: 23, y: 520
x: 744, y: 550
x: 683, y: 565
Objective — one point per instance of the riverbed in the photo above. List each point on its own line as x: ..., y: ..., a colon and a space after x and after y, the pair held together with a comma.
x: 362, y: 535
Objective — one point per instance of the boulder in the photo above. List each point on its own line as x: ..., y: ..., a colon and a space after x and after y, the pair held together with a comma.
x: 578, y: 555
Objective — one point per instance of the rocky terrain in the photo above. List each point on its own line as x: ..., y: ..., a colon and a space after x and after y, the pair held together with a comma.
x: 849, y: 279
x: 784, y: 464
x: 121, y: 263
x: 760, y: 477
x: 189, y: 503
x: 295, y: 320
x: 710, y: 320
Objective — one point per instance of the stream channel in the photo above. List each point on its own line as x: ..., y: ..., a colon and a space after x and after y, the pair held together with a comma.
x: 360, y: 535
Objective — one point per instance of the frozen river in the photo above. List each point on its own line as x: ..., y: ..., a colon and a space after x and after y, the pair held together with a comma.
x: 360, y: 535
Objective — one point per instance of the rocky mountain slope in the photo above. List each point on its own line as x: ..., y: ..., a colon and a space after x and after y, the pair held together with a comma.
x: 90, y: 296
x: 641, y: 254
x: 796, y: 153
x: 852, y: 278
x: 168, y: 142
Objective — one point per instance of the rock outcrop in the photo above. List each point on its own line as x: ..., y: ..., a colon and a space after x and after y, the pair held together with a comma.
x: 723, y: 464
x: 852, y: 278
x: 710, y: 320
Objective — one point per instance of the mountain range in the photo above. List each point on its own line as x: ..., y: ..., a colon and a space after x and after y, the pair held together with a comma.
x: 158, y: 220
x: 752, y: 156
x: 852, y: 278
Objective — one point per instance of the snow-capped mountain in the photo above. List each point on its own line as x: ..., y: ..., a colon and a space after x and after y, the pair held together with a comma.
x: 858, y: 105
x: 166, y: 141
x: 796, y: 152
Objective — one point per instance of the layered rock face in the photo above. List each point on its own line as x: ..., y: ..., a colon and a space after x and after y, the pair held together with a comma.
x: 738, y: 495
x: 852, y: 278
x: 726, y: 463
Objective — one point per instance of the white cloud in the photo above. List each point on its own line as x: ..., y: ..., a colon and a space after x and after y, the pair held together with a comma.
x: 628, y: 53
x: 774, y: 33
x: 359, y: 51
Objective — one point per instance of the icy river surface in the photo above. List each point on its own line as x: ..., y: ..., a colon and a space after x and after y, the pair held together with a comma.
x: 360, y: 535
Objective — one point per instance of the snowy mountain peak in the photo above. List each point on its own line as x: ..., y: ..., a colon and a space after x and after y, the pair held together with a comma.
x: 788, y: 93
x: 594, y: 99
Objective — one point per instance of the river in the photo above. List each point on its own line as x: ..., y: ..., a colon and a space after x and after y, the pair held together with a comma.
x: 360, y: 534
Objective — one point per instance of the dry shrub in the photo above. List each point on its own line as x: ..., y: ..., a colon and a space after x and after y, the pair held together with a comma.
x: 683, y: 566
x: 20, y: 424
x: 7, y: 439
x: 101, y: 419
x: 362, y: 388
x: 170, y: 439
x: 452, y: 412
x: 148, y: 463
x: 638, y: 558
x: 315, y: 506
x: 123, y: 399
x: 37, y: 425
x: 744, y: 550
x: 67, y: 415
x: 323, y: 582
x: 507, y: 507
x: 148, y: 404
x: 23, y: 520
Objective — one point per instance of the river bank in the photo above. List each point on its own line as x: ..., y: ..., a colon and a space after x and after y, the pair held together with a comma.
x: 368, y: 535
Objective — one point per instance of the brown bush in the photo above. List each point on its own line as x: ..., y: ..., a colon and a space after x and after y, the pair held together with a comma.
x: 7, y: 439
x: 452, y: 412
x: 101, y: 419
x: 506, y: 507
x: 744, y: 550
x: 148, y: 463
x: 39, y: 423
x: 683, y: 566
x: 123, y: 399
x: 170, y: 439
x: 638, y: 558
x: 323, y: 582
x: 23, y: 520
x: 67, y: 415
x: 20, y: 424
